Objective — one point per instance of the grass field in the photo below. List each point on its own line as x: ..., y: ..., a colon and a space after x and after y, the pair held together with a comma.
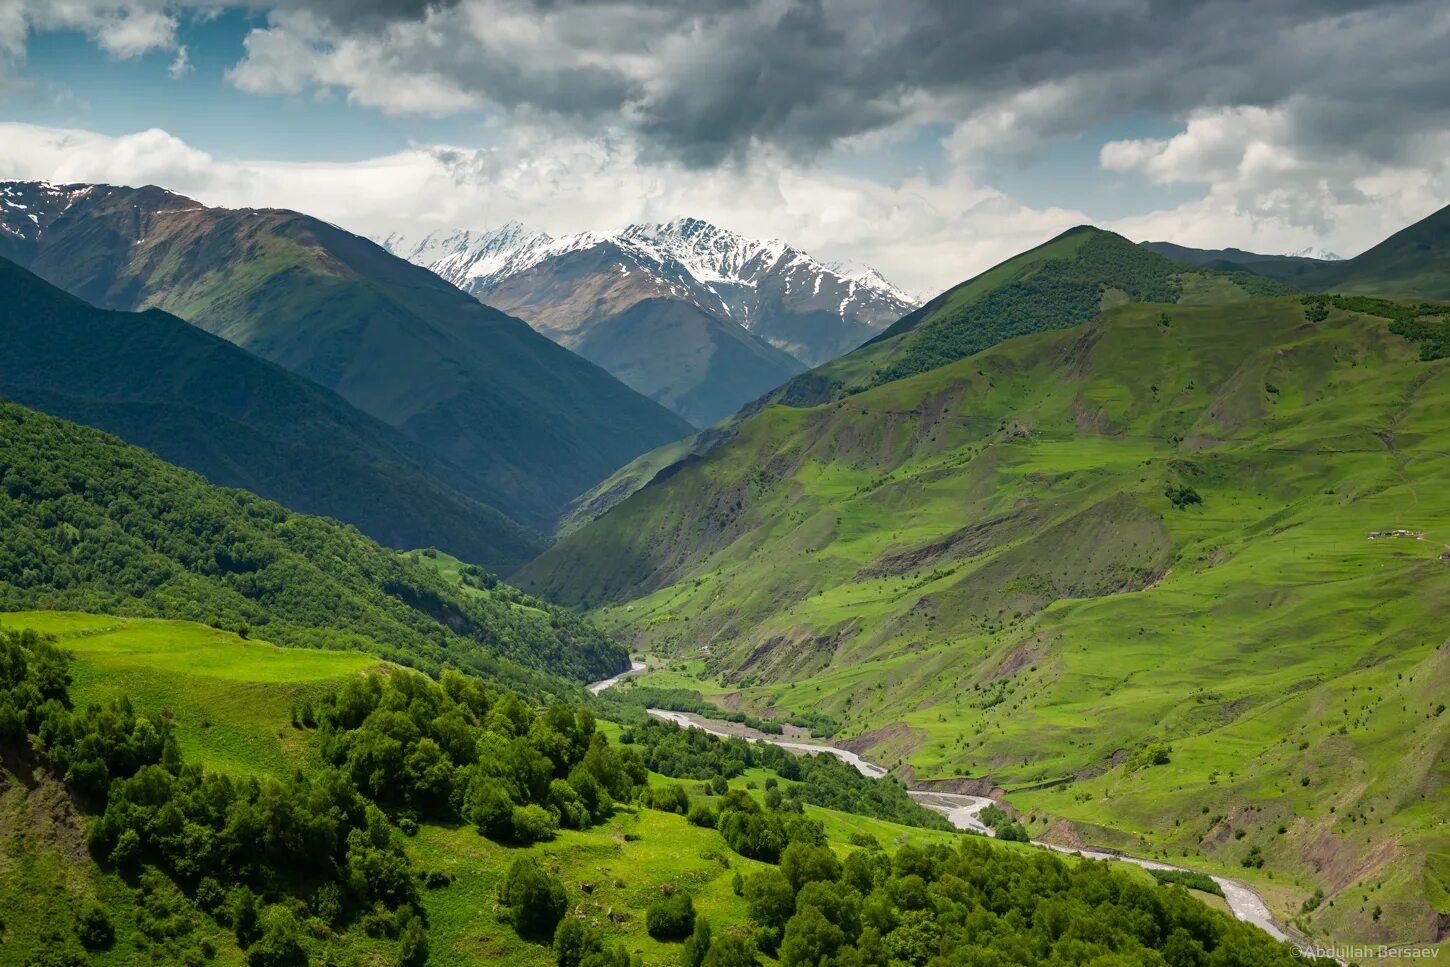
x: 230, y: 699
x: 983, y: 571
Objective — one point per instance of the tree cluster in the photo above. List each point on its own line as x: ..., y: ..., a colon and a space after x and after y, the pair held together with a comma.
x: 456, y: 751
x: 821, y: 780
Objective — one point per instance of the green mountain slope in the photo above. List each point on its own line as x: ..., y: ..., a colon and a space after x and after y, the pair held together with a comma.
x: 532, y: 421
x: 1222, y: 529
x: 91, y: 523
x: 202, y: 403
x: 1059, y: 284
x: 1411, y: 264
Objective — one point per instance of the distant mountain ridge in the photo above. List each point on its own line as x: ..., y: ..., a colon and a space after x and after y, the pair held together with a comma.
x: 697, y: 317
x: 1237, y: 257
x: 533, y: 423
x: 1413, y: 263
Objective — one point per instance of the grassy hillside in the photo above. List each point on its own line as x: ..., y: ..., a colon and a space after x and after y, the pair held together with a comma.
x: 202, y: 403
x: 1220, y: 529
x: 1059, y: 284
x: 532, y: 421
x: 93, y: 524
x: 611, y: 873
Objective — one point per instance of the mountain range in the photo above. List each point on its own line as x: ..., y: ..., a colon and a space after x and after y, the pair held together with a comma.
x: 1155, y: 552
x: 694, y: 316
x: 1061, y: 283
x: 532, y: 423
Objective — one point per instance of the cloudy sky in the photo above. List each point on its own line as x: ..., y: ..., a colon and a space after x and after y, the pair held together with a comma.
x: 929, y: 138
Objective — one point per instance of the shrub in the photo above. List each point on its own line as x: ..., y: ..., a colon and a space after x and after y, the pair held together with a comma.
x: 535, y: 899
x: 695, y: 949
x: 93, y: 926
x: 669, y: 799
x: 413, y: 944
x: 671, y: 917
x: 280, y: 944
x: 534, y: 824
x: 703, y: 814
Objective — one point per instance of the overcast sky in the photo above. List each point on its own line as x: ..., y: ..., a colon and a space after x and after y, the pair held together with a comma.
x: 929, y: 138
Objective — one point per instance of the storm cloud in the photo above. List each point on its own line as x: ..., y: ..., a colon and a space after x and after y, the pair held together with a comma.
x: 708, y: 83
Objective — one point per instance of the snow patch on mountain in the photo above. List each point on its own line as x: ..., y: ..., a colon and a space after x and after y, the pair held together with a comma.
x: 1310, y: 252
x: 27, y: 207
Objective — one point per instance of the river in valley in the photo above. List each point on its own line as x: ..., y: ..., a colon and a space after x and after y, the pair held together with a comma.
x: 963, y: 812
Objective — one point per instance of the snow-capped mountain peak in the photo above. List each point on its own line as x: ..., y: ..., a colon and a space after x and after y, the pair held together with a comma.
x: 719, y: 270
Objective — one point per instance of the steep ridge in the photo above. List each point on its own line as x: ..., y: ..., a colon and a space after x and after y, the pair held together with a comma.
x: 1211, y: 536
x: 697, y: 317
x: 535, y: 423
x: 94, y: 524
x: 202, y: 403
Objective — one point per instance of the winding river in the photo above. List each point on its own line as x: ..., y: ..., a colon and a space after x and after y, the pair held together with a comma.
x: 963, y: 812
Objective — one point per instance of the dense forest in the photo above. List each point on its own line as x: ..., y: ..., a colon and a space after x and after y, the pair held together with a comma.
x: 92, y: 524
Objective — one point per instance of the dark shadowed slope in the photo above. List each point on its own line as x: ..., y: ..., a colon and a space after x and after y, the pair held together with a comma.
x: 241, y: 421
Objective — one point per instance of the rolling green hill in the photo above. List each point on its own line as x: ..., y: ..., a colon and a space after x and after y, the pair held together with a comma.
x: 224, y: 851
x: 530, y: 420
x: 1215, y: 536
x: 202, y: 403
x: 94, y: 524
x: 1059, y: 284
